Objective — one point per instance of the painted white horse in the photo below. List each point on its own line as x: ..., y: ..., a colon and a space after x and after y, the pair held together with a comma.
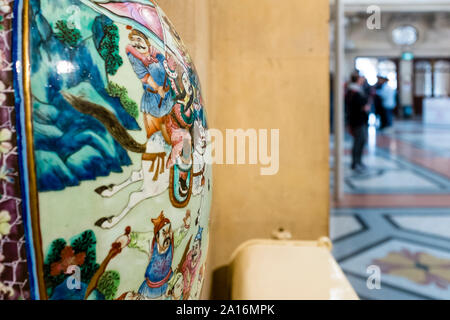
x: 155, y: 152
x: 199, y: 168
x: 155, y: 176
x: 151, y: 187
x: 200, y: 144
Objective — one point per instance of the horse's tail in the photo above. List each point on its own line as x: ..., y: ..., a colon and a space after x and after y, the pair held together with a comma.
x: 108, y: 119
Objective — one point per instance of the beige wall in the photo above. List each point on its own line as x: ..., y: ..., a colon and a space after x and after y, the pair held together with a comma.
x: 264, y: 65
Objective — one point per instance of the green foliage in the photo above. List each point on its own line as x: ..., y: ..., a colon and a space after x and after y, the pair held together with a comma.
x: 68, y: 35
x: 109, y: 49
x: 53, y: 255
x: 86, y: 243
x: 117, y: 91
x: 108, y: 284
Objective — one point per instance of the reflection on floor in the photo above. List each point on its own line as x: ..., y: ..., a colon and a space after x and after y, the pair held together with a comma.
x: 396, y: 216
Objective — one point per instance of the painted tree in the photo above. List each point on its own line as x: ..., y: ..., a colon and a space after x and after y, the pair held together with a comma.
x: 109, y: 48
x: 105, y: 35
x: 117, y: 91
x: 108, y: 284
x: 80, y: 252
x: 67, y: 34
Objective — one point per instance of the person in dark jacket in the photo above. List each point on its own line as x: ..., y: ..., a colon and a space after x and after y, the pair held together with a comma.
x: 358, y: 116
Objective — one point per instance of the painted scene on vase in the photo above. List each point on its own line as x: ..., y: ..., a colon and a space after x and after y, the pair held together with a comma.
x: 120, y: 146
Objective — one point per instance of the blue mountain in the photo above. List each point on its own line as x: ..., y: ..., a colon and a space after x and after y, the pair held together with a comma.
x: 71, y: 147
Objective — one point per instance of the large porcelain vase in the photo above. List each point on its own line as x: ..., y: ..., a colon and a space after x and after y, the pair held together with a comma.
x: 105, y: 182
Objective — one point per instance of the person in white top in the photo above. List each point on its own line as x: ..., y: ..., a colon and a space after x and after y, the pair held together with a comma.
x: 388, y: 97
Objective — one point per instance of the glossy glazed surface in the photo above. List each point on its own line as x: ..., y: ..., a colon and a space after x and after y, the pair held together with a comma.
x: 120, y: 143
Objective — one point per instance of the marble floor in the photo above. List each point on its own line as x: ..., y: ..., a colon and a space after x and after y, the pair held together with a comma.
x: 391, y: 231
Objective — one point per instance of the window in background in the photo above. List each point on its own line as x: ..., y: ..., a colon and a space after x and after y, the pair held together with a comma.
x: 424, y: 79
x: 372, y: 67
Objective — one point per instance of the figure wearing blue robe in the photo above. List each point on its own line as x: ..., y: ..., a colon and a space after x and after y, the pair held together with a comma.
x: 151, y: 102
x: 159, y: 270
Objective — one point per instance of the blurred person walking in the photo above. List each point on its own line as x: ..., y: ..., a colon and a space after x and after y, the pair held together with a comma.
x: 388, y: 96
x: 380, y: 111
x: 358, y: 115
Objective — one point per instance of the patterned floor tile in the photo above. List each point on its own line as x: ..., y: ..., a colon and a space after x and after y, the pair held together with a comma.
x: 430, y: 225
x: 341, y: 227
x: 390, y: 181
x: 408, y: 245
x: 405, y: 266
x: 386, y: 174
x: 396, y: 216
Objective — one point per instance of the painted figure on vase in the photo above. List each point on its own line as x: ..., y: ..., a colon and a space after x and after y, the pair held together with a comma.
x: 200, y: 142
x: 175, y: 289
x: 191, y: 265
x: 148, y: 64
x: 160, y: 245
